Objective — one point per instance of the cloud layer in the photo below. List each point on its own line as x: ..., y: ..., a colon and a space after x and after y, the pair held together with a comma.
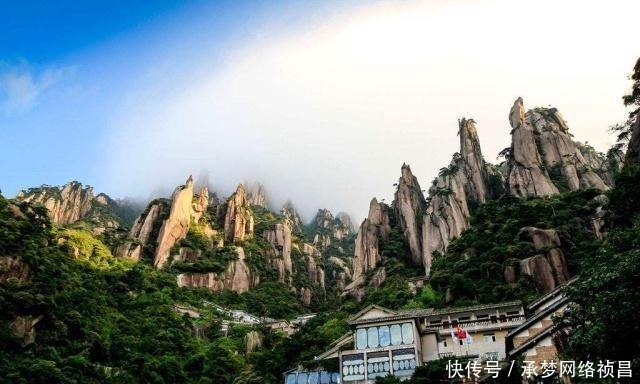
x: 326, y: 115
x: 21, y: 86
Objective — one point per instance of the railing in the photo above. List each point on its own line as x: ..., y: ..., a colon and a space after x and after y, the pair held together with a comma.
x: 480, y: 323
x: 445, y: 354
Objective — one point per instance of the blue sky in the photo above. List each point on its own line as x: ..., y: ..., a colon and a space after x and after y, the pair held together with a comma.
x: 322, y: 101
x: 65, y: 66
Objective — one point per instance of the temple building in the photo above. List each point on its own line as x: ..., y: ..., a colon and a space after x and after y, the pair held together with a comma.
x: 385, y: 342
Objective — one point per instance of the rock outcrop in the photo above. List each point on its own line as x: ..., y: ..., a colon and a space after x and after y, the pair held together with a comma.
x: 74, y: 202
x: 543, y: 151
x: 314, y: 269
x: 280, y: 253
x: 257, y: 195
x: 176, y: 226
x: 291, y: 214
x: 527, y: 175
x: 200, y: 203
x: 238, y: 221
x: 548, y: 268
x: 409, y: 206
x: 374, y: 228
x: 66, y: 204
x: 237, y: 277
x: 465, y: 183
x: 13, y: 268
x: 144, y: 228
x: 327, y: 229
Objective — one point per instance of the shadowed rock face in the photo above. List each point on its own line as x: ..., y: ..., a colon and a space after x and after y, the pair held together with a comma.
x: 542, y: 147
x: 176, y: 226
x: 327, y: 229
x: 548, y: 268
x: 291, y: 214
x: 257, y: 195
x: 409, y: 206
x: 367, y: 248
x: 238, y: 221
x: 527, y: 176
x: 280, y: 255
x: 142, y: 230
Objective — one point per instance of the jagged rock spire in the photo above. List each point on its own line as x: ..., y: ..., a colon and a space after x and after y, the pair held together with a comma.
x: 374, y: 228
x: 238, y: 220
x: 409, y: 206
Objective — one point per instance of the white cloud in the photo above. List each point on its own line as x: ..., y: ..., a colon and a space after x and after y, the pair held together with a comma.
x: 327, y: 115
x: 20, y: 86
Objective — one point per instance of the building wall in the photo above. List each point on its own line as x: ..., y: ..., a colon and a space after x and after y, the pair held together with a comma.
x: 429, y: 343
x: 479, y: 346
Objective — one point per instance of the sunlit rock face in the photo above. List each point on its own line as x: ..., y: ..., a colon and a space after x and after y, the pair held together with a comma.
x: 66, y: 205
x: 176, y: 226
x: 74, y: 202
x: 238, y: 220
x: 465, y: 183
x: 200, y: 203
x: 409, y: 206
x: 237, y: 277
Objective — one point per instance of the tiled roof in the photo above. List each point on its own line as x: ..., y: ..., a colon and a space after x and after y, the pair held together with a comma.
x: 475, y: 307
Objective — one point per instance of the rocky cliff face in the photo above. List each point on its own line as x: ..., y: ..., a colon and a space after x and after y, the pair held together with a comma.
x: 176, y: 226
x: 527, y: 175
x: 548, y: 268
x: 144, y: 229
x: 74, y: 202
x: 327, y: 229
x: 237, y: 277
x: 238, y: 221
x: 291, y: 214
x: 200, y: 203
x: 409, y: 206
x: 280, y: 254
x: 257, y: 195
x: 66, y: 204
x: 543, y: 152
x: 465, y: 183
x: 374, y: 228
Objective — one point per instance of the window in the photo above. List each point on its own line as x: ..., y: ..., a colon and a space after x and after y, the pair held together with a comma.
x: 489, y: 337
x: 466, y: 318
x: 513, y: 313
x: 291, y: 378
x: 396, y: 334
x: 460, y: 341
x: 302, y: 378
x: 384, y: 336
x: 361, y: 338
x: 444, y: 343
x: 314, y: 378
x: 372, y: 337
x: 407, y: 333
x: 482, y: 317
x: 435, y: 322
